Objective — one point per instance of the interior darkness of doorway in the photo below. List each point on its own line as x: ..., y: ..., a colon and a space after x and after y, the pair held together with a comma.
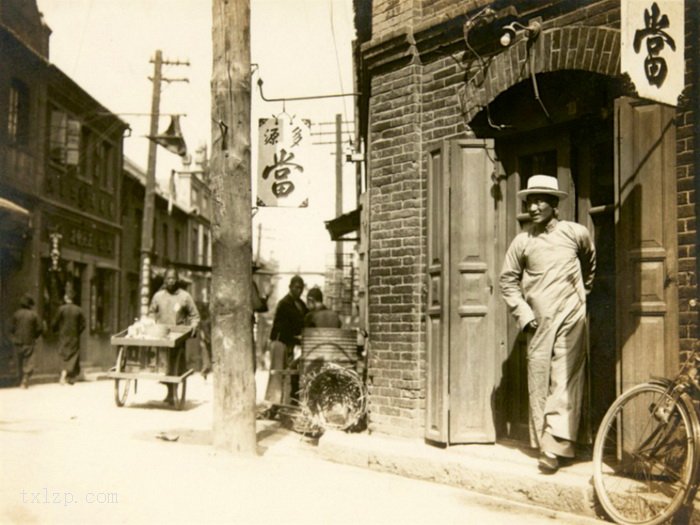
x: 567, y: 95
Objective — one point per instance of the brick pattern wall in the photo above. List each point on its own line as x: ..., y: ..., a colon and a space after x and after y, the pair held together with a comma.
x: 686, y: 170
x: 390, y: 16
x: 396, y: 256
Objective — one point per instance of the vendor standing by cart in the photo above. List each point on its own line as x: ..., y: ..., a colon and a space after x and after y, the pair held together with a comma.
x: 173, y: 305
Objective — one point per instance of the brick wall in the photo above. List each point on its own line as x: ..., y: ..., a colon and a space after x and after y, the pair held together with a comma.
x: 686, y: 142
x: 397, y: 356
x: 390, y: 16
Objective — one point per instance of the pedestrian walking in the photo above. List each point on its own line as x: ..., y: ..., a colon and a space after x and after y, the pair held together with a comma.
x: 173, y: 305
x: 69, y: 322
x: 25, y: 329
x: 547, y: 273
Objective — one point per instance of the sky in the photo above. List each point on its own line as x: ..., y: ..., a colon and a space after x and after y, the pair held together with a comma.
x: 301, y: 48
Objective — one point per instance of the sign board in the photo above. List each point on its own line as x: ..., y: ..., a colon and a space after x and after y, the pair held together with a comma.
x: 284, y: 150
x: 652, y: 47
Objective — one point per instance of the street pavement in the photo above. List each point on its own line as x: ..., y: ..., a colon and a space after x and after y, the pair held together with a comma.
x: 69, y: 455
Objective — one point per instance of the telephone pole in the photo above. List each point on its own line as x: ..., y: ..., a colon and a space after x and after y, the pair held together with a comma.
x: 149, y: 202
x: 232, y: 329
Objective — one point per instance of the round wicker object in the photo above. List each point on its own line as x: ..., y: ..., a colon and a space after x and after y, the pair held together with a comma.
x: 333, y: 397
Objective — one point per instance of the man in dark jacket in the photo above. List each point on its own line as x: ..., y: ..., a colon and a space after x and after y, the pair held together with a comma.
x: 284, y: 336
x: 25, y: 329
x: 69, y: 323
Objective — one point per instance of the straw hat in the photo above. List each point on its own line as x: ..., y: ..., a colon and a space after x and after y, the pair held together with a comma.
x: 542, y: 184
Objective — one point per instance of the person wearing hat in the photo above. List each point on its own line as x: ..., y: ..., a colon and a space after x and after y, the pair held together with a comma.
x: 25, y: 329
x: 547, y: 273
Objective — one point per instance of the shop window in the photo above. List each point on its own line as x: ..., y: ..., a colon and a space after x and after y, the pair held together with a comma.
x: 177, y: 244
x: 18, y: 114
x: 194, y: 245
x: 87, y: 155
x: 102, y: 301
x: 65, y: 139
x: 165, y: 253
x: 102, y: 163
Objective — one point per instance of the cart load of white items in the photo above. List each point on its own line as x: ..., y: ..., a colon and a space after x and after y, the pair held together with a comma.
x: 146, y: 328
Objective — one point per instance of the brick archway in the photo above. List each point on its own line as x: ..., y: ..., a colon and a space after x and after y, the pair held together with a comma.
x: 594, y: 49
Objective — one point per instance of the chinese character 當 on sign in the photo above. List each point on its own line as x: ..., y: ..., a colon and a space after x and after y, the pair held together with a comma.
x: 653, y: 41
x: 283, y: 146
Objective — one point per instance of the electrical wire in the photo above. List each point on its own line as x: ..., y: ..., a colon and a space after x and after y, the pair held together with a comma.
x: 337, y: 61
x: 82, y: 38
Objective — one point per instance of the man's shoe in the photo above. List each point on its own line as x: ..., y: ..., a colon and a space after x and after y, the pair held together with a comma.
x: 547, y: 464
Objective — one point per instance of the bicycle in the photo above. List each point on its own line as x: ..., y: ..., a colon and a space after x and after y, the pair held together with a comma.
x: 646, y: 453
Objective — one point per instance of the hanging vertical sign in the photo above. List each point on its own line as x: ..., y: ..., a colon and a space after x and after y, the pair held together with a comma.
x: 652, y: 47
x: 284, y: 146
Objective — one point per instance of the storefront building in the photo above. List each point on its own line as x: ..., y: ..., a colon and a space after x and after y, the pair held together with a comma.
x: 462, y: 102
x: 24, y: 40
x: 60, y: 162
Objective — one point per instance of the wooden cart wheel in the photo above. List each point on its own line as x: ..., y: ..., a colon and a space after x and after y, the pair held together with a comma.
x: 180, y: 387
x: 121, y: 386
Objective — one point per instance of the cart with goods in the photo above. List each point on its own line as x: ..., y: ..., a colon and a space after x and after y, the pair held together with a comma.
x: 143, y: 352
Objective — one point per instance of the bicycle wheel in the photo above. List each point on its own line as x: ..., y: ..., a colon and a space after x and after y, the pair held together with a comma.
x: 121, y: 386
x: 644, y: 455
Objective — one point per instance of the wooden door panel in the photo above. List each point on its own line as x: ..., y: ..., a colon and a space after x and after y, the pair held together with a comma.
x: 474, y: 307
x: 646, y: 254
x: 437, y: 400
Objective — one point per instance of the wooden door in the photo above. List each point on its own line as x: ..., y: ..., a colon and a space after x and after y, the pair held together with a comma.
x: 646, y: 252
x: 466, y: 319
x: 437, y: 387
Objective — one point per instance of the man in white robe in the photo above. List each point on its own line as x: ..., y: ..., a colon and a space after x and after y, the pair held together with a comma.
x: 547, y: 273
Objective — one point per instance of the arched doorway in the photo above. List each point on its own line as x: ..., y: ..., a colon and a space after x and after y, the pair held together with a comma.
x: 614, y: 156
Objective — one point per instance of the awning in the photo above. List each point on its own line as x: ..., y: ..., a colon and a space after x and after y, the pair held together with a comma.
x: 13, y: 216
x: 344, y: 224
x: 12, y: 208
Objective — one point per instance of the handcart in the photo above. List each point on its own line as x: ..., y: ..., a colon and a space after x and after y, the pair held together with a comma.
x: 146, y: 357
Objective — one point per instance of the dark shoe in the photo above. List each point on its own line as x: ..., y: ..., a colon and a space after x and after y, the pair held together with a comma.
x: 546, y: 464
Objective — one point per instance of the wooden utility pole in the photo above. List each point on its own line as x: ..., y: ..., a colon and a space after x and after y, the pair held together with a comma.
x: 149, y: 202
x: 232, y: 331
x: 338, y: 184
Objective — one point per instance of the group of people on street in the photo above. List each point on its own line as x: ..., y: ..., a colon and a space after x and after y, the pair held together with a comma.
x: 26, y: 327
x: 546, y: 275
x: 292, y: 315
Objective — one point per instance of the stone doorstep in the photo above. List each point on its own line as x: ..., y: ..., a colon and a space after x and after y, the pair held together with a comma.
x: 493, y: 470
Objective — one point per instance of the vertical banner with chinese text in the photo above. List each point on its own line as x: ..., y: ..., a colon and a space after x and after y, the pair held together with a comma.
x: 284, y: 145
x: 652, y: 47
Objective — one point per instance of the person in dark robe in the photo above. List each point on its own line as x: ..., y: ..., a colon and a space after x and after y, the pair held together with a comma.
x: 284, y: 336
x: 25, y: 329
x: 69, y: 322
